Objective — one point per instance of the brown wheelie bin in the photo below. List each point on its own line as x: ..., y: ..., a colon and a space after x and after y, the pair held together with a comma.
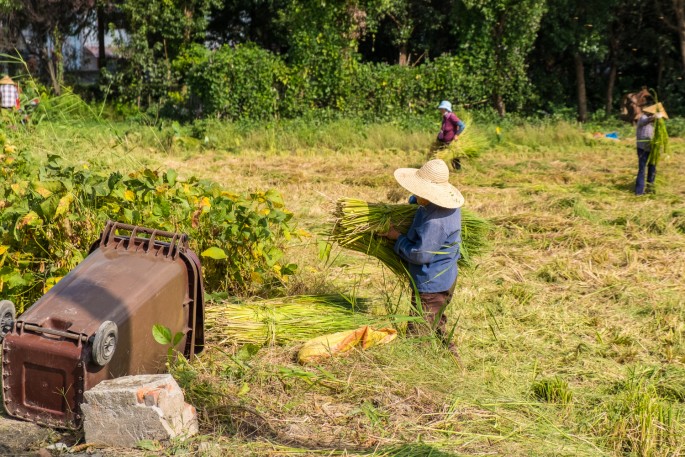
x: 96, y: 323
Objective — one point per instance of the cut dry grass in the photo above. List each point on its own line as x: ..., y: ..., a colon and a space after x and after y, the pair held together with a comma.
x: 583, y: 283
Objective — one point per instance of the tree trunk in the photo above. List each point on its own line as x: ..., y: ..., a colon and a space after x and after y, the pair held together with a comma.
x: 102, y: 56
x: 679, y: 8
x: 55, y: 62
x: 404, y: 55
x: 613, y: 71
x: 580, y: 86
x: 498, y: 101
x: 611, y: 83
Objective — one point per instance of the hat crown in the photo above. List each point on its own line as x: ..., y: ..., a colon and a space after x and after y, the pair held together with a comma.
x: 445, y: 105
x: 435, y: 171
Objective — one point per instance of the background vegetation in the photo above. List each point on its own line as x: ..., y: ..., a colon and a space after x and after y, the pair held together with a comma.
x: 234, y: 59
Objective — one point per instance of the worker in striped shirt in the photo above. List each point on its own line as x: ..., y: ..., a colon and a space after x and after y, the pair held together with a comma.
x: 644, y: 134
x: 9, y: 93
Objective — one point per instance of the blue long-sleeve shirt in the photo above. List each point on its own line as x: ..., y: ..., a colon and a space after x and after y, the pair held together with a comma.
x: 431, y: 248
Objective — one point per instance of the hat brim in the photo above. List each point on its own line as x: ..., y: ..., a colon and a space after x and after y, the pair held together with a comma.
x: 444, y: 195
x: 657, y: 108
x: 6, y: 81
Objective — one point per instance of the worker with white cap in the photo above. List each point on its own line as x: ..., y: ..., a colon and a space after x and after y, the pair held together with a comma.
x: 450, y: 130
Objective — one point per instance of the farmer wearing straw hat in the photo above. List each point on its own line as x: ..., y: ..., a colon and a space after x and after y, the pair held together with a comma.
x: 430, y: 248
x: 644, y: 133
x: 450, y: 130
x: 9, y: 93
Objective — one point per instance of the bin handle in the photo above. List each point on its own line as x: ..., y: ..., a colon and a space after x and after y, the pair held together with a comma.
x: 151, y: 241
x: 132, y: 237
x: 177, y: 240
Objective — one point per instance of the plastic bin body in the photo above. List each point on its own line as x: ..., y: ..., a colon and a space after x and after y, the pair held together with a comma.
x: 133, y: 281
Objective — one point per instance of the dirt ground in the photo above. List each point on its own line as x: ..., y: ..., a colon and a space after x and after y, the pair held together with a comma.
x: 19, y: 438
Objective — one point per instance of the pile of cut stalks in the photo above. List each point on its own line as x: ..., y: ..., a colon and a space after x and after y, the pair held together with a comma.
x: 283, y: 320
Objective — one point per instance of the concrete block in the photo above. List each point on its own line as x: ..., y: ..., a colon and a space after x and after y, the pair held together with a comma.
x: 120, y: 412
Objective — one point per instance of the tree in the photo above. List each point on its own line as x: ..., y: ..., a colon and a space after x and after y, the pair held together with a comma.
x: 499, y: 42
x: 255, y: 21
x: 159, y: 30
x: 8, y: 30
x: 575, y: 32
x: 42, y: 24
x: 672, y: 13
x: 322, y: 46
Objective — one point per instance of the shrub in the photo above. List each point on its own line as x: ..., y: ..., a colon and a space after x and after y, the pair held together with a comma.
x: 52, y: 213
x: 246, y: 81
x: 233, y: 82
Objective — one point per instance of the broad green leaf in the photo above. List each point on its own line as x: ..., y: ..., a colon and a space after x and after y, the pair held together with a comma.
x: 171, y: 177
x: 215, y: 253
x: 64, y: 204
x: 177, y: 338
x: 161, y: 334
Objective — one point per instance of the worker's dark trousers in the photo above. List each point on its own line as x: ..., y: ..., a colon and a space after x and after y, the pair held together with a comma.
x: 642, y: 157
x: 434, y: 305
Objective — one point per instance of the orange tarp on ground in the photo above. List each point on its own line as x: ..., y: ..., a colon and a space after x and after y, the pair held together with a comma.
x: 327, y: 346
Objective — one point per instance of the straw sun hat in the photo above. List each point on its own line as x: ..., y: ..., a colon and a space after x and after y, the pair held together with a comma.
x: 653, y: 109
x: 431, y: 182
x: 6, y: 80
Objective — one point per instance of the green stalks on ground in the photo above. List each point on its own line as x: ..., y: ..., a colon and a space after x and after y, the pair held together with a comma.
x: 283, y: 320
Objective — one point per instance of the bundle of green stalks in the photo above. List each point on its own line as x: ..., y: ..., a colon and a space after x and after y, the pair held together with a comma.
x: 470, y: 144
x: 283, y: 320
x: 659, y: 145
x: 358, y: 222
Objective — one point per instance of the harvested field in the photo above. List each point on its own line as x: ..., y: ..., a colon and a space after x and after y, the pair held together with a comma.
x: 571, y: 327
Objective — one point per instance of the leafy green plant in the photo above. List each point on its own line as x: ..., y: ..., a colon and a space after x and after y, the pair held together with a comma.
x: 52, y: 213
x: 163, y: 336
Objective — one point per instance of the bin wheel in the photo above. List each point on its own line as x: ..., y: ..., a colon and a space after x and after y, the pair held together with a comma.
x: 105, y: 343
x: 8, y: 314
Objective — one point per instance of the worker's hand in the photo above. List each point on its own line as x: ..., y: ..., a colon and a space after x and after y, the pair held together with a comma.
x: 659, y: 115
x: 391, y: 234
x: 456, y: 137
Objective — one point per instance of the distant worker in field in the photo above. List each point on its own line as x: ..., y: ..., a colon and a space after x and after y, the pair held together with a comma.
x: 450, y: 130
x: 646, y: 115
x: 430, y: 248
x: 631, y: 104
x: 9, y: 93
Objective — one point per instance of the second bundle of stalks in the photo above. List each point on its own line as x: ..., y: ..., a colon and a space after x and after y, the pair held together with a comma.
x: 470, y: 144
x: 357, y: 223
x: 659, y: 145
x: 283, y: 320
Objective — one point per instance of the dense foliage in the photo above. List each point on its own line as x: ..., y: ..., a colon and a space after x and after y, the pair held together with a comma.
x: 237, y: 58
x: 52, y: 213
